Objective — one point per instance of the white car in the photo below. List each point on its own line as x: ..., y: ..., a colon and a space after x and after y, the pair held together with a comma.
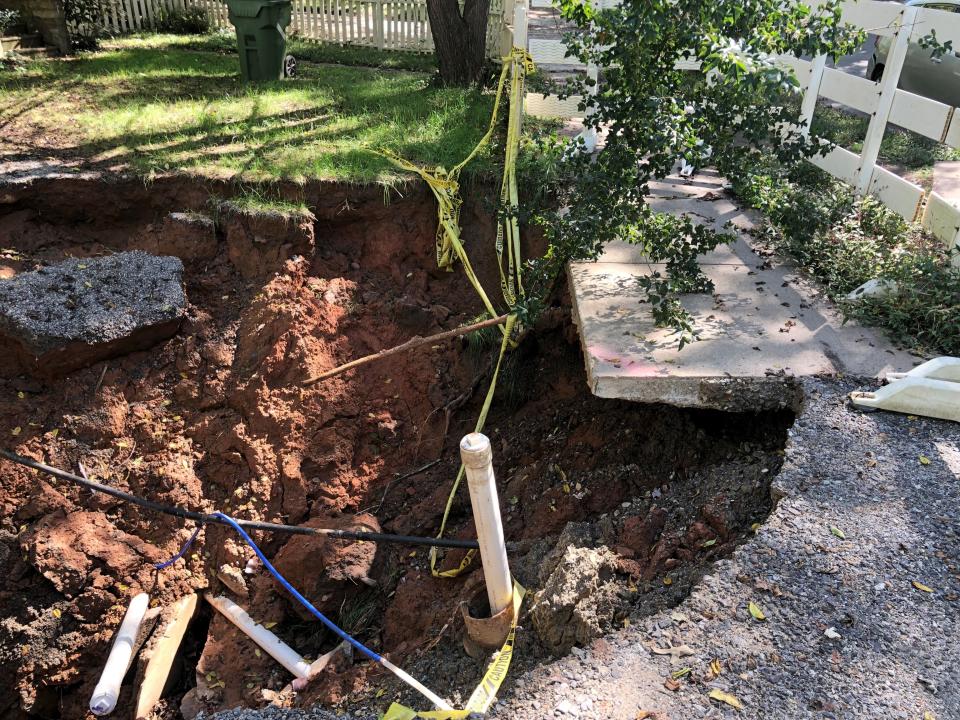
x: 936, y: 78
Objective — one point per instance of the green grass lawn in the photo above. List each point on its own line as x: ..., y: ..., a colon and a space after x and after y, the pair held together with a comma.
x: 161, y: 103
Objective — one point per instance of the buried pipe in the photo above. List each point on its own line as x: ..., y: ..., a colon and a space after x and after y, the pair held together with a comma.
x: 271, y: 644
x: 438, y: 701
x: 107, y: 691
x: 477, y: 460
x: 204, y: 518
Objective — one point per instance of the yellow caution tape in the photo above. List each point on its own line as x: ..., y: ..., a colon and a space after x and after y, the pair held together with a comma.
x: 446, y: 189
x: 486, y: 692
x: 481, y: 420
x: 445, y: 186
x: 520, y: 63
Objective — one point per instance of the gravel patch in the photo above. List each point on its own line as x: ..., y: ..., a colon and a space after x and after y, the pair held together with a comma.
x: 272, y: 713
x: 861, y: 518
x: 855, y: 572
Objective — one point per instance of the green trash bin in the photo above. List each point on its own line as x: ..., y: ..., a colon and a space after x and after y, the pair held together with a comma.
x: 261, y: 38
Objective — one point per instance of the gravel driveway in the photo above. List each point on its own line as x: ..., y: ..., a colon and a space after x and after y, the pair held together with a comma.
x: 855, y: 572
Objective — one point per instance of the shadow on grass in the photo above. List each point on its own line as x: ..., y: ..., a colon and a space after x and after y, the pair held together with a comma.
x: 100, y: 107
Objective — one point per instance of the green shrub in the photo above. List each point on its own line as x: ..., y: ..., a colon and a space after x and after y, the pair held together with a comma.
x: 8, y: 18
x: 843, y: 241
x: 85, y: 18
x: 188, y: 21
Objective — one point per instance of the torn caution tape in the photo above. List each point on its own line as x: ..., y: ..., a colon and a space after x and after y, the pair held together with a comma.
x: 486, y: 692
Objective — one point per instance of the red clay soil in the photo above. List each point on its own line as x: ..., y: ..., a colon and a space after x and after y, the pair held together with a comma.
x: 217, y: 419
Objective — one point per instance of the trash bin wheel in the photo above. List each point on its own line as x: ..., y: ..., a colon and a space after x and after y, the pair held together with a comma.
x: 289, y: 66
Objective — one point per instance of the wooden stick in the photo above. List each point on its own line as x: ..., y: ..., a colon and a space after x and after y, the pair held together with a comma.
x: 410, y: 344
x: 162, y: 654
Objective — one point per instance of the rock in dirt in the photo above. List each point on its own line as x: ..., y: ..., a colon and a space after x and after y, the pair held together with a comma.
x: 578, y: 600
x: 78, y: 312
x: 231, y: 576
x: 574, y: 534
x: 329, y: 571
x: 69, y: 548
x: 260, y: 241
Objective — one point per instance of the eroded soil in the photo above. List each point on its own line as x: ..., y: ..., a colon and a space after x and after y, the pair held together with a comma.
x: 217, y: 418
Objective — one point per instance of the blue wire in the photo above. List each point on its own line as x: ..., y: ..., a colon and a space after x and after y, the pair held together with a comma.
x: 293, y: 591
x: 183, y: 550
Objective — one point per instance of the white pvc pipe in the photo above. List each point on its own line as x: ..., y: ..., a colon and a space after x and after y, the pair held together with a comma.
x: 271, y: 644
x: 107, y: 691
x: 478, y: 463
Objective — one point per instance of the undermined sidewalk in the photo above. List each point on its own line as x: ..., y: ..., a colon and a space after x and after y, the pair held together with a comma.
x: 762, y: 327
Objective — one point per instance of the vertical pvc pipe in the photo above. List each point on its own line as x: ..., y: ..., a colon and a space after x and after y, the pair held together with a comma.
x: 478, y: 463
x: 271, y: 644
x: 107, y: 691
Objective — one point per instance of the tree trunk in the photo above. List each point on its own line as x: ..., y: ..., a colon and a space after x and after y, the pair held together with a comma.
x: 460, y: 40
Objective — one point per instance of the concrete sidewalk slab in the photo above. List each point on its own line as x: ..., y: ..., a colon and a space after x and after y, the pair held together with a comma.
x: 946, y: 180
x: 761, y: 329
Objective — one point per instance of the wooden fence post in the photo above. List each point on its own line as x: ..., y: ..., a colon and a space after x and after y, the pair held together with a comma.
x: 378, y: 23
x: 888, y: 88
x: 520, y: 25
x: 809, y: 104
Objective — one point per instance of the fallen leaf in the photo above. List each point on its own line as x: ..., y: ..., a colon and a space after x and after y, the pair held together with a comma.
x: 53, y: 433
x: 727, y: 698
x: 56, y: 612
x: 16, y: 431
x: 380, y: 692
x: 838, y: 532
x: 256, y: 651
x: 755, y: 611
x: 928, y: 716
x: 921, y: 586
x: 566, y: 488
x: 675, y: 652
x: 21, y: 395
x: 269, y: 625
x: 924, y: 460
x: 709, y: 543
x: 668, y: 581
x: 671, y: 684
x: 677, y: 674
x: 715, y: 668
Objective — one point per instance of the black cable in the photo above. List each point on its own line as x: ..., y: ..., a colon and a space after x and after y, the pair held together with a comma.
x: 247, y: 524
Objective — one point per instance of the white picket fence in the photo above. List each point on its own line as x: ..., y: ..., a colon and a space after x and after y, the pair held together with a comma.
x: 384, y: 24
x: 882, y: 101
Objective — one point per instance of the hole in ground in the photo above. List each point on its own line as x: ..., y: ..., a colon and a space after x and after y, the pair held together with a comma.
x: 619, y: 508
